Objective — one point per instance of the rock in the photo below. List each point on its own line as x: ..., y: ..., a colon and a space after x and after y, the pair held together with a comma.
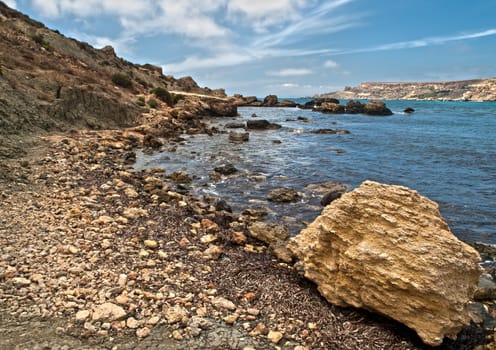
x: 239, y: 137
x: 152, y: 141
x: 174, y: 314
x: 276, y: 236
x: 408, y: 110
x: 149, y: 243
x: 486, y: 289
x: 376, y: 108
x: 221, y: 205
x: 132, y: 323
x: 226, y: 169
x: 330, y: 108
x: 210, y: 227
x: 21, y: 281
x: 213, y: 252
x: 333, y: 193
x: 270, y: 101
x: 143, y: 332
x: 238, y: 237
x: 387, y: 249
x: 223, y: 303
x: 283, y: 195
x: 218, y: 108
x: 274, y: 336
x: 235, y: 125
x: 108, y: 312
x: 329, y: 131
x: 286, y: 103
x: 261, y: 124
x: 231, y: 319
x: 82, y: 315
x: 134, y: 213
x: 354, y: 107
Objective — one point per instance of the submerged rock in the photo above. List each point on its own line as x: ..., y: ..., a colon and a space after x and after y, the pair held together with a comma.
x: 283, y: 195
x: 387, y: 249
x: 239, y: 137
x: 261, y: 124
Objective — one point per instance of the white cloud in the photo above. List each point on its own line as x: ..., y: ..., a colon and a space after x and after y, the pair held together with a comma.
x: 291, y: 72
x: 330, y: 64
x: 290, y: 85
x: 10, y: 3
x: 195, y: 62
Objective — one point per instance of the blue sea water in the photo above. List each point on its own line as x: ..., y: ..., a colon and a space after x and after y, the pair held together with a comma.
x: 445, y: 150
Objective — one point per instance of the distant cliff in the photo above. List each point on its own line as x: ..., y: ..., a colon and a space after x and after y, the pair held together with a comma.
x: 464, y: 90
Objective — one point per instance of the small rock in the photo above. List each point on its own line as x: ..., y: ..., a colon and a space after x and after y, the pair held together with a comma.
x: 20, y: 281
x: 283, y: 195
x: 209, y: 226
x: 223, y: 303
x: 174, y: 314
x: 134, y: 213
x: 259, y: 329
x: 176, y: 334
x: 132, y: 323
x: 274, y: 336
x: 143, y: 332
x: 108, y: 312
x: 226, y: 169
x: 150, y: 244
x: 131, y: 193
x: 213, y: 252
x: 153, y: 320
x: 238, y: 237
x: 82, y: 315
x: 73, y: 250
x: 231, y: 319
x: 208, y: 238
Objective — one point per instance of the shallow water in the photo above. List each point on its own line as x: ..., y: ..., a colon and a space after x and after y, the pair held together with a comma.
x: 445, y: 150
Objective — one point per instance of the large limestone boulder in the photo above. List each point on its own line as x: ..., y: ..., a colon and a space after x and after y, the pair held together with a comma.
x: 387, y: 249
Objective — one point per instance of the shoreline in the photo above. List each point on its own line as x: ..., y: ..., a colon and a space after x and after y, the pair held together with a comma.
x: 86, y: 231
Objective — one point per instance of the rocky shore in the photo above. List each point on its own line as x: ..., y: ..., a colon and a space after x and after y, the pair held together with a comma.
x: 97, y: 255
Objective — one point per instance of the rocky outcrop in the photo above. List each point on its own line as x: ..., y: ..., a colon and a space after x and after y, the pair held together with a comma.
x: 330, y: 108
x: 463, y: 90
x: 376, y: 108
x: 270, y: 101
x: 261, y: 124
x: 387, y: 249
x: 276, y: 236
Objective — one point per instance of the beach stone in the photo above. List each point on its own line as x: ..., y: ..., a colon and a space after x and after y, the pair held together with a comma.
x: 283, y: 195
x: 223, y: 303
x: 134, y: 213
x: 174, y: 314
x: 108, y: 312
x: 276, y: 236
x: 82, y: 315
x: 239, y: 136
x: 149, y: 243
x: 143, y: 332
x: 274, y: 336
x: 388, y: 250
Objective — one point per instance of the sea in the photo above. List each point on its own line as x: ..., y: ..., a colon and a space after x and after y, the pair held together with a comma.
x: 444, y: 150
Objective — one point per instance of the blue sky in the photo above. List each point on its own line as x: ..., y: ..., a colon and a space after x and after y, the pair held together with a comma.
x: 287, y: 47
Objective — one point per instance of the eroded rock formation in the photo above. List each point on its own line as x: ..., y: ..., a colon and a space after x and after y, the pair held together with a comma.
x: 387, y: 249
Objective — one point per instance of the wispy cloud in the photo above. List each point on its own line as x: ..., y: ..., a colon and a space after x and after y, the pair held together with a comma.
x: 10, y: 3
x: 431, y: 41
x: 291, y: 72
x: 330, y: 64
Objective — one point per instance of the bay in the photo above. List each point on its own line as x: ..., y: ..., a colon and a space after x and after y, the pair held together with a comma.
x: 445, y: 150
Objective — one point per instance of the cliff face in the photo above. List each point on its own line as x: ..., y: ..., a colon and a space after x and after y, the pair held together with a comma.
x: 49, y: 82
x: 465, y: 90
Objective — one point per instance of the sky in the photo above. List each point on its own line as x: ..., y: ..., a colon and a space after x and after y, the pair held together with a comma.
x: 290, y: 48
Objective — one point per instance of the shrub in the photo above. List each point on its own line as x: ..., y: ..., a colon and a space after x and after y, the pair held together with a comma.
x: 163, y: 95
x: 40, y: 40
x: 177, y: 98
x: 152, y: 103
x: 141, y: 101
x: 122, y: 80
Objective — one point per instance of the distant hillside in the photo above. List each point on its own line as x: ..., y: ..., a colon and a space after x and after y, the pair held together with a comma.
x: 464, y: 90
x: 49, y: 82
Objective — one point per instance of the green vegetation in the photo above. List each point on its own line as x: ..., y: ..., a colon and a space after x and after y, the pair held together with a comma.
x: 122, y: 80
x: 141, y: 101
x: 152, y: 103
x: 163, y: 95
x: 177, y: 97
x: 40, y: 40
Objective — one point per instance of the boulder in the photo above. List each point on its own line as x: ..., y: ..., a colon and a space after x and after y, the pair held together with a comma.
x: 376, y: 108
x: 409, y: 110
x: 283, y: 195
x: 388, y: 250
x: 354, y: 107
x: 239, y: 136
x: 226, y: 169
x: 270, y: 101
x: 286, y: 103
x: 261, y: 124
x: 276, y: 236
x: 330, y: 108
x: 235, y: 125
x: 223, y: 109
